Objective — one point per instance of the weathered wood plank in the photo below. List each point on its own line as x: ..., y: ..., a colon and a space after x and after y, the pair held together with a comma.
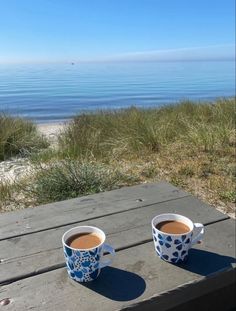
x: 213, y: 293
x: 83, y: 208
x: 137, y: 277
x: 30, y: 254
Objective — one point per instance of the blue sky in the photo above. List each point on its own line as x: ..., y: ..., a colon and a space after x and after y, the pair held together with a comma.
x: 73, y: 30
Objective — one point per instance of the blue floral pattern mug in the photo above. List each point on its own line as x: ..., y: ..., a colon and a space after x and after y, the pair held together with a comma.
x: 174, y: 247
x: 84, y: 265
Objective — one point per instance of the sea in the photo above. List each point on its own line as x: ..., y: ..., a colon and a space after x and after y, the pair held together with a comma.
x: 52, y: 93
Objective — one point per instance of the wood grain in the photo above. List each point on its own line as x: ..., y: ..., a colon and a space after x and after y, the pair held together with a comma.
x: 42, y: 251
x: 137, y: 277
x: 85, y: 208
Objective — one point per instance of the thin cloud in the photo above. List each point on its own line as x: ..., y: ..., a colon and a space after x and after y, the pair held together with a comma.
x: 211, y: 52
x: 200, y: 53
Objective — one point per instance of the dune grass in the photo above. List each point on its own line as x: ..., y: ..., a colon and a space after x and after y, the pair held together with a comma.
x: 191, y: 145
x: 208, y: 127
x: 18, y: 137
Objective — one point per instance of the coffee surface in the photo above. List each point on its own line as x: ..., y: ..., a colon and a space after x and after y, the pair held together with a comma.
x: 84, y: 240
x: 172, y: 226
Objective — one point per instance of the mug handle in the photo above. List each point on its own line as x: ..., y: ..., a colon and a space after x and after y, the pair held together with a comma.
x: 199, y: 234
x: 107, y: 248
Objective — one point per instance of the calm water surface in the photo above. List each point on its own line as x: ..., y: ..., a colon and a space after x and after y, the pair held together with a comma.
x: 52, y: 93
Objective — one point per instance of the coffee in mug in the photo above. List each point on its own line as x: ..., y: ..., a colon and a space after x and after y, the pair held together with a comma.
x: 84, y: 240
x: 172, y: 226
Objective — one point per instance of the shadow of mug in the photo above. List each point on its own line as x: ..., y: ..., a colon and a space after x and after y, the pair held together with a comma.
x: 117, y: 284
x: 206, y: 263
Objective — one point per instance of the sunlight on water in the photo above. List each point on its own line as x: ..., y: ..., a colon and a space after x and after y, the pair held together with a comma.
x: 48, y: 93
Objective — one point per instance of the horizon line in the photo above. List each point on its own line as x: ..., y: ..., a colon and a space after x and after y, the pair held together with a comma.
x: 162, y: 55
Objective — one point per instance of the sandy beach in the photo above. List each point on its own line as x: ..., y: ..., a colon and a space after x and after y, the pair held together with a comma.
x: 50, y: 130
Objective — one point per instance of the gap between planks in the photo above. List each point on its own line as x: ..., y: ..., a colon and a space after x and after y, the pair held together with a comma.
x: 62, y: 265
x: 92, y: 218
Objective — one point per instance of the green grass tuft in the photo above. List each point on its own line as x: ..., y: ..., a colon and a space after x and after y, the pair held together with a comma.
x: 229, y: 196
x: 69, y: 179
x: 5, y: 192
x: 18, y: 137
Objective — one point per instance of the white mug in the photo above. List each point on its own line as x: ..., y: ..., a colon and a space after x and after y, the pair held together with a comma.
x: 84, y: 265
x: 174, y: 247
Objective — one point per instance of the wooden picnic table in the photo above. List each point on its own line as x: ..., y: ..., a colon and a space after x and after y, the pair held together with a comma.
x: 32, y: 268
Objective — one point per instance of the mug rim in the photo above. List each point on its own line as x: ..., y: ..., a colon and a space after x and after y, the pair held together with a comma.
x: 174, y: 234
x: 84, y: 249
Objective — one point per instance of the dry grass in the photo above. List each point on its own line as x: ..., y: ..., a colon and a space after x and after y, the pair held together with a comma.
x: 209, y: 177
x: 191, y: 145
